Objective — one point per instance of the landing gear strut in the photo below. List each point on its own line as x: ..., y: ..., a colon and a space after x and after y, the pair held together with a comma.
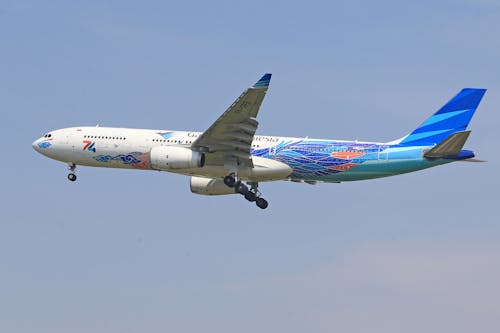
x: 255, y: 196
x: 252, y: 194
x: 71, y: 175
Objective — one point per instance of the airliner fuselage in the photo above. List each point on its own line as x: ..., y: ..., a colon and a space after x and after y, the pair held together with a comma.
x: 220, y: 159
x: 281, y: 158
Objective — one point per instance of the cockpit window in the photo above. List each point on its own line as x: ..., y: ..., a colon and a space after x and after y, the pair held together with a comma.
x: 48, y: 135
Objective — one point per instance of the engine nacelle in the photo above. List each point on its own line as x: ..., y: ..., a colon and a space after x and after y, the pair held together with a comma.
x: 209, y: 186
x: 170, y: 158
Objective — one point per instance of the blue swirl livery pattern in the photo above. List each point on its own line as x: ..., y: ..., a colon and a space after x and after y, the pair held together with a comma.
x: 130, y: 158
x: 44, y: 144
x: 316, y: 159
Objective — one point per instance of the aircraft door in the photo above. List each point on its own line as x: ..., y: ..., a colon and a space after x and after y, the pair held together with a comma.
x: 272, y: 151
x: 65, y: 137
x: 382, y: 153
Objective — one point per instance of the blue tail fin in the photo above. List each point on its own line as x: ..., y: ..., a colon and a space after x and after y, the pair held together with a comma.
x: 453, y: 117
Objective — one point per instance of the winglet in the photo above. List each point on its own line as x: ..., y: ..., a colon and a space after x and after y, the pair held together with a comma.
x: 263, y: 82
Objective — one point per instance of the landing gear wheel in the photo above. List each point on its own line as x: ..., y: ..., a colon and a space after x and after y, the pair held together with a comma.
x: 250, y: 196
x: 261, y: 203
x: 71, y: 168
x: 229, y: 181
x: 241, y: 188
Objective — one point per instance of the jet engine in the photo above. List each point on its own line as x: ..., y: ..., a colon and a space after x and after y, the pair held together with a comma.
x: 209, y: 186
x: 170, y: 158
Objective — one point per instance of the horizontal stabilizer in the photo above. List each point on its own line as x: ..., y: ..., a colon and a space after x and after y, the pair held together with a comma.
x: 475, y: 160
x: 449, y: 147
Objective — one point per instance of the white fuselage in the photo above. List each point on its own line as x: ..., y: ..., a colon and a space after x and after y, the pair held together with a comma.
x: 130, y: 149
x: 273, y: 157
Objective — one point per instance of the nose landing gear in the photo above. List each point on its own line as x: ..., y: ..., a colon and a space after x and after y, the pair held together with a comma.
x: 252, y: 194
x: 71, y: 175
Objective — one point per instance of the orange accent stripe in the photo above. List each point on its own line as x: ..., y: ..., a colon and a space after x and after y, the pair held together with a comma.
x: 347, y: 155
x: 344, y: 167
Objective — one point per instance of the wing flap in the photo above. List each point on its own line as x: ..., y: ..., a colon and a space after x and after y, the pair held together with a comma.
x: 249, y: 125
x: 238, y: 136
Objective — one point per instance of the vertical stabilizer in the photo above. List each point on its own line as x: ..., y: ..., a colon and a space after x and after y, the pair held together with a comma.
x: 453, y: 117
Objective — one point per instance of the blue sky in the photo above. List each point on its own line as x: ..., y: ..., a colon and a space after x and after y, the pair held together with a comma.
x: 133, y: 251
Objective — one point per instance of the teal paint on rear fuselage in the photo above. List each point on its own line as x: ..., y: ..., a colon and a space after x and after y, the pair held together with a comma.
x: 339, y: 161
x: 383, y: 168
x: 334, y: 161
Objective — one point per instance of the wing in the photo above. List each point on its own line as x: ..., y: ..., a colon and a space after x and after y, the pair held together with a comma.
x: 232, y: 134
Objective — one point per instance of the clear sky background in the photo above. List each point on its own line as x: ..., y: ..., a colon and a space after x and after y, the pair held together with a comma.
x: 133, y: 251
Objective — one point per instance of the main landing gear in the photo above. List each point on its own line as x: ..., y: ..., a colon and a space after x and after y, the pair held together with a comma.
x: 252, y: 194
x: 71, y: 175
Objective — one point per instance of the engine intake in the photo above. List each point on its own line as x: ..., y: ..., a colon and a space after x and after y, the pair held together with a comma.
x: 170, y: 158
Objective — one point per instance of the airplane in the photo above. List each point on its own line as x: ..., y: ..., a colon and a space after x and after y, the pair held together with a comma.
x: 228, y: 158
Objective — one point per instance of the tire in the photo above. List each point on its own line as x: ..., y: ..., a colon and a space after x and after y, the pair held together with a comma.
x: 229, y: 181
x: 241, y: 188
x: 261, y: 203
x: 72, y: 177
x: 250, y: 196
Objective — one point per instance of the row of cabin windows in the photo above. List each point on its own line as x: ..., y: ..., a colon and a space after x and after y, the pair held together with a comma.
x: 173, y: 141
x: 313, y: 149
x: 189, y: 142
x: 325, y: 149
x: 105, y: 137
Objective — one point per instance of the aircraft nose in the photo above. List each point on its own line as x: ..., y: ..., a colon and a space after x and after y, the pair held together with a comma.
x: 36, y: 145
